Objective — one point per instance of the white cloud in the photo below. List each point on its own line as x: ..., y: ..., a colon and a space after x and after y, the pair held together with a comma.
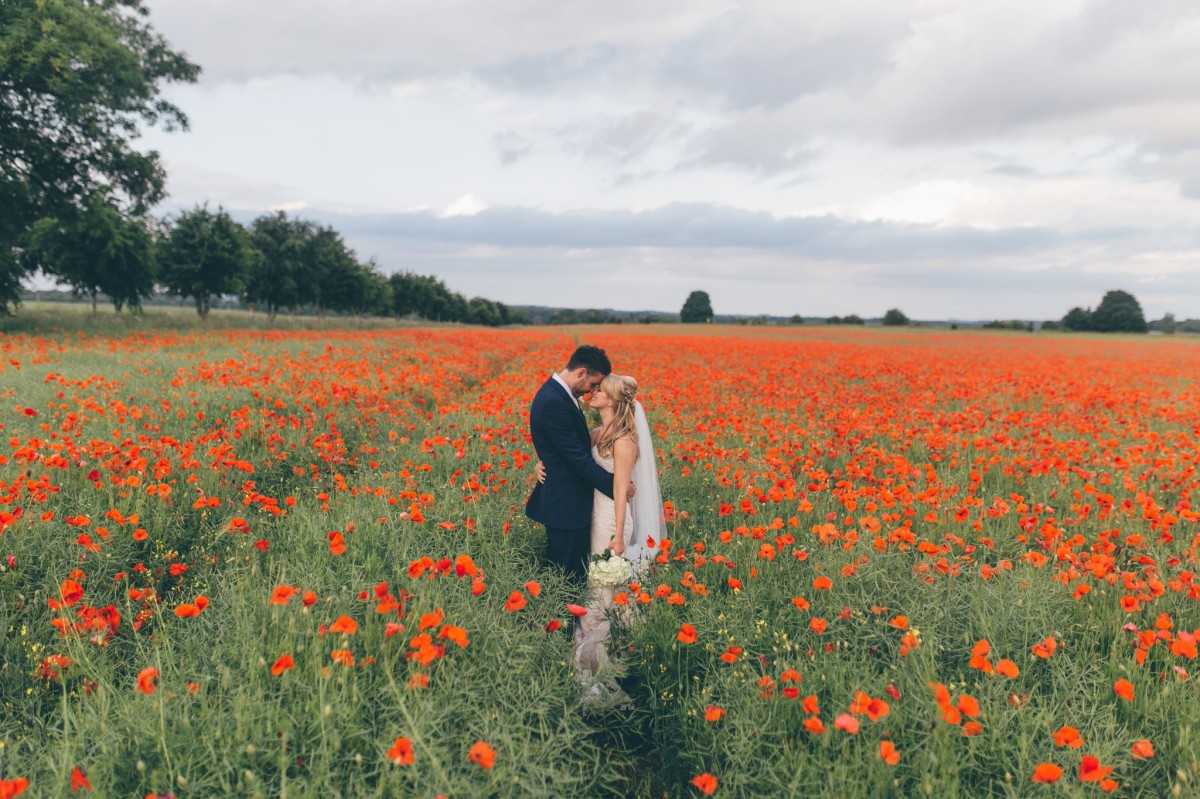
x: 942, y: 151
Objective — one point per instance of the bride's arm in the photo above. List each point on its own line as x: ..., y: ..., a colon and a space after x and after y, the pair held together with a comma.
x: 624, y: 454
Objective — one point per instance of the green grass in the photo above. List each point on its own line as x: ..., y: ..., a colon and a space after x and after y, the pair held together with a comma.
x: 356, y: 427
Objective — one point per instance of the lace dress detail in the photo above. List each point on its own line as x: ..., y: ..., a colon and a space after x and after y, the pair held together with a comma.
x: 590, y: 650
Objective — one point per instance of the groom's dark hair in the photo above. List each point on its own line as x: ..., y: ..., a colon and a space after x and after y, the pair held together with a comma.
x: 592, y: 357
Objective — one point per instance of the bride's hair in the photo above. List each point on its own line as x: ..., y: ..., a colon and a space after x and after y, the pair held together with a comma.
x: 623, y: 391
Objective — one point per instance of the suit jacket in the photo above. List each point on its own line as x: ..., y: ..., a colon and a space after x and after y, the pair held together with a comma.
x: 560, y: 436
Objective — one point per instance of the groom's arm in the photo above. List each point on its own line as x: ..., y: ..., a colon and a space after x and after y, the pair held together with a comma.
x: 565, y: 442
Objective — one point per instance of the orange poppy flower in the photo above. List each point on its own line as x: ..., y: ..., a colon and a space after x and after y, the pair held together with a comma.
x: 401, y: 752
x: 79, y: 781
x: 1068, y: 736
x: 1047, y: 772
x: 281, y: 665
x: 1124, y: 689
x: 1090, y: 769
x: 846, y: 723
x: 516, y: 600
x: 482, y: 755
x: 705, y: 783
x: 344, y: 625
x: 1045, y: 648
x: 1007, y: 668
x: 686, y: 634
x: 282, y: 594
x: 889, y: 753
x: 1143, y: 750
x: 145, y: 680
x: 714, y: 713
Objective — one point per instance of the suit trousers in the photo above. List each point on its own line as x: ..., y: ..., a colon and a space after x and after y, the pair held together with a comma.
x: 570, y: 549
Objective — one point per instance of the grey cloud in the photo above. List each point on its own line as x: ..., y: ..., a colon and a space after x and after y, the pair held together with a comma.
x: 702, y: 226
x: 512, y: 146
x: 621, y: 139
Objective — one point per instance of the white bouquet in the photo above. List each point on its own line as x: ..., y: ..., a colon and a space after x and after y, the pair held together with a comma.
x: 609, y: 570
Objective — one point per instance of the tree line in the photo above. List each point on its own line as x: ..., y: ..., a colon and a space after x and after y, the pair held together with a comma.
x: 276, y: 264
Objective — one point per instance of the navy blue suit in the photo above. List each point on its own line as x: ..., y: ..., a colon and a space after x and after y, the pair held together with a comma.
x: 564, y: 502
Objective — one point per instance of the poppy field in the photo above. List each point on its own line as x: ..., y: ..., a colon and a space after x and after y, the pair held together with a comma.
x: 899, y: 563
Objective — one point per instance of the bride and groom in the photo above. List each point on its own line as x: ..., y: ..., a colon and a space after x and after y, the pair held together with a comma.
x: 597, y: 489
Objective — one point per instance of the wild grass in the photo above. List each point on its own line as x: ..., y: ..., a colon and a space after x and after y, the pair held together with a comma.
x: 840, y: 450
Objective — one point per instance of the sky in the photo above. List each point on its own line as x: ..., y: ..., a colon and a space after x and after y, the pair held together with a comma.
x: 983, y: 159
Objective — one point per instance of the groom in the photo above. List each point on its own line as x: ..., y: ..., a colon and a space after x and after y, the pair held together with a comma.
x: 560, y: 435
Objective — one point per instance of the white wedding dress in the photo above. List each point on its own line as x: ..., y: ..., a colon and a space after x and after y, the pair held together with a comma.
x: 593, y: 634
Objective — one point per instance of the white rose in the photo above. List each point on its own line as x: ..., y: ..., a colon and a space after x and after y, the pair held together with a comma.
x: 610, y: 573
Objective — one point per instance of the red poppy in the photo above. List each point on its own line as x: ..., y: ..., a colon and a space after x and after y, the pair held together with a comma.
x: 401, y: 752
x: 705, y: 783
x: 482, y: 755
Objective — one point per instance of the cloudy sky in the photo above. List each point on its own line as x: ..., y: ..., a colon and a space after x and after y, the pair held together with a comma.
x: 973, y: 160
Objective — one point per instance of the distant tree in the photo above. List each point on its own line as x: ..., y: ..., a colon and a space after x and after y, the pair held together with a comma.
x: 273, y: 284
x: 1077, y: 319
x: 1050, y: 324
x: 895, y: 318
x: 852, y: 319
x: 77, y: 77
x: 327, y: 279
x: 204, y: 255
x: 97, y: 250
x: 697, y: 308
x: 1008, y: 324
x: 1118, y: 312
x: 1168, y: 324
x: 796, y: 319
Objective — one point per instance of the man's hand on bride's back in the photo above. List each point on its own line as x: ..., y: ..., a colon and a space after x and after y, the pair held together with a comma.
x: 632, y: 491
x: 540, y: 470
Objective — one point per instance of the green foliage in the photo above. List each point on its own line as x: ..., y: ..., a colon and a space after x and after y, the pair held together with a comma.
x: 895, y: 318
x: 1050, y: 324
x: 1119, y: 312
x: 205, y: 254
x: 97, y: 251
x: 273, y: 283
x: 1167, y: 324
x: 796, y: 319
x: 1008, y: 324
x: 1077, y: 319
x: 852, y: 319
x: 697, y: 308
x: 77, y: 79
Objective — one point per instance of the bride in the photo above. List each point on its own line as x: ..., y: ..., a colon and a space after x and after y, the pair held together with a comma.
x: 628, y: 527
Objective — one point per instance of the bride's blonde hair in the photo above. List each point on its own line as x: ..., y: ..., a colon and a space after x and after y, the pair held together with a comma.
x: 622, y: 390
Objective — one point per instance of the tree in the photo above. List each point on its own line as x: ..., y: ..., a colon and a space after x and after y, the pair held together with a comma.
x: 796, y: 319
x: 895, y: 318
x: 1168, y: 324
x: 205, y: 255
x: 1077, y: 319
x: 97, y: 251
x: 697, y: 308
x: 1118, y: 312
x: 77, y: 78
x: 273, y: 282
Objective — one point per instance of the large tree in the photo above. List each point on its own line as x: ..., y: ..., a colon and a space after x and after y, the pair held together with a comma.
x: 697, y: 308
x: 97, y: 250
x: 895, y: 318
x: 77, y: 79
x: 284, y: 244
x: 1119, y: 312
x: 204, y: 255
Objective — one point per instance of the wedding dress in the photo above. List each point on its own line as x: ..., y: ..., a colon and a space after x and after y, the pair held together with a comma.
x: 593, y: 632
